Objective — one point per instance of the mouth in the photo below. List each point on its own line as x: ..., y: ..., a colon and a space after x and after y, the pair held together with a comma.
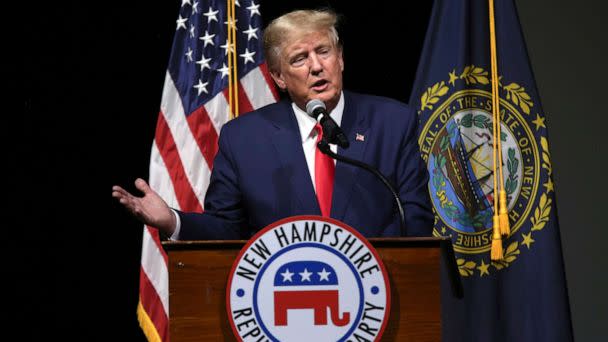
x: 320, y: 85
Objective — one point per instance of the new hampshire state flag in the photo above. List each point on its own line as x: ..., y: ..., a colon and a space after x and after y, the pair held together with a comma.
x: 523, y: 296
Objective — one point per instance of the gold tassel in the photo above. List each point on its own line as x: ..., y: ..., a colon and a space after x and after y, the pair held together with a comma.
x: 496, y: 253
x: 505, y: 228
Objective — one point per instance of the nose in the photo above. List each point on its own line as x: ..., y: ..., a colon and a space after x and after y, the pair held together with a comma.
x: 315, y: 64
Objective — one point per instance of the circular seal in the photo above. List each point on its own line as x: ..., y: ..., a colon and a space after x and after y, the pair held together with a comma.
x: 456, y: 141
x: 308, y: 278
x: 460, y: 166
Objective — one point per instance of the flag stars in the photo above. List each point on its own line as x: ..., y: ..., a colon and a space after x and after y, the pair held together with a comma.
x: 483, y: 268
x: 287, y: 275
x: 231, y: 24
x: 528, y: 240
x: 227, y: 47
x: 186, y: 2
x: 539, y: 122
x: 207, y: 38
x: 189, y: 55
x: 224, y: 70
x: 195, y: 7
x: 323, y: 275
x: 251, y: 33
x: 254, y: 9
x: 248, y: 56
x: 211, y: 15
x: 192, y: 31
x: 181, y: 22
x: 201, y: 87
x: 549, y: 185
x: 305, y: 275
x: 204, y: 62
x: 453, y: 77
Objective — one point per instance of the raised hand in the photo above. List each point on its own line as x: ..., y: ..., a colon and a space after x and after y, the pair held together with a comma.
x: 151, y: 209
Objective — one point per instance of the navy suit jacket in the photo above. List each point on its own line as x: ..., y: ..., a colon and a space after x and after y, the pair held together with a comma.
x: 260, y: 173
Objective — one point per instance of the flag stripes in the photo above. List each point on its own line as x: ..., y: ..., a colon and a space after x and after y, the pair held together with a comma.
x: 194, y: 107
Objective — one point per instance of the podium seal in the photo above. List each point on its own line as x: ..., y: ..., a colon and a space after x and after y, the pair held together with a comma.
x: 308, y: 278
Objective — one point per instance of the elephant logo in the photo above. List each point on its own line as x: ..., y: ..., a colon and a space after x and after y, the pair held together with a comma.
x: 308, y: 285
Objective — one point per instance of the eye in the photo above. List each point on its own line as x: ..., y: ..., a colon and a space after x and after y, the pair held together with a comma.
x: 298, y: 60
x: 324, y: 51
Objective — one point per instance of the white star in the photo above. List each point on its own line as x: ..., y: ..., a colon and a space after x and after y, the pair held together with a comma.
x: 251, y: 33
x: 231, y: 24
x: 248, y: 56
x: 208, y: 38
x: 255, y: 9
x: 287, y: 275
x: 191, y: 31
x: 324, y: 275
x: 181, y: 22
x: 305, y: 275
x: 211, y: 15
x: 204, y: 62
x: 225, y: 47
x: 224, y: 70
x: 189, y: 54
x: 236, y: 2
x: 184, y: 2
x: 195, y: 7
x: 201, y: 87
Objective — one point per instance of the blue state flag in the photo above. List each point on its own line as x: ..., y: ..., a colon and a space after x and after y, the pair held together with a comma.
x: 523, y: 296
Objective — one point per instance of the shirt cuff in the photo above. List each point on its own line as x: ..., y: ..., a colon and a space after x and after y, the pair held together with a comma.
x: 178, y: 223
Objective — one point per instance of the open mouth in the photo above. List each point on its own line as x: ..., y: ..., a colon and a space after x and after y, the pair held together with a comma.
x: 320, y: 84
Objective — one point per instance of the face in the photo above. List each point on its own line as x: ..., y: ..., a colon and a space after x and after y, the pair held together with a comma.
x: 311, y: 68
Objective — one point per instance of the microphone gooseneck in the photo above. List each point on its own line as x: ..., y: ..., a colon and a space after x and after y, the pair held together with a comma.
x: 323, y: 146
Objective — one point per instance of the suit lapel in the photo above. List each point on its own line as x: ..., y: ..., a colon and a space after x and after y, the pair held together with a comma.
x: 353, y: 123
x: 286, y: 139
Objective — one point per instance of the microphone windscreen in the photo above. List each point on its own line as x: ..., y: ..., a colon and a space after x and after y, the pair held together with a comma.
x: 313, y: 106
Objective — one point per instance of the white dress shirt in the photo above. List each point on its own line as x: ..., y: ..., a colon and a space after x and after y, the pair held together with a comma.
x: 309, y: 136
x: 306, y: 124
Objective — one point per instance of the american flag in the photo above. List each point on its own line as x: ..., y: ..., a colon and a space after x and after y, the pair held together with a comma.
x: 194, y: 106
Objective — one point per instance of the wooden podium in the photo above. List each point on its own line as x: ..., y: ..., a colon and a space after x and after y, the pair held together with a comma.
x: 198, y: 274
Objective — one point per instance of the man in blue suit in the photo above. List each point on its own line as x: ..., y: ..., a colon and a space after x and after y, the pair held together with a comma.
x: 265, y: 167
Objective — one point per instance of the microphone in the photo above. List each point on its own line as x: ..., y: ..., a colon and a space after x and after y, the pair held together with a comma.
x: 332, y: 134
x: 331, y: 131
x: 323, y: 146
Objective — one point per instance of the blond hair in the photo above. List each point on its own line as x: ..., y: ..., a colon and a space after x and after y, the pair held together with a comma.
x: 292, y: 26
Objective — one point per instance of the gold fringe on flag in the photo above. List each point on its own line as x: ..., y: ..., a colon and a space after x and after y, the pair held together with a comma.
x: 146, y: 324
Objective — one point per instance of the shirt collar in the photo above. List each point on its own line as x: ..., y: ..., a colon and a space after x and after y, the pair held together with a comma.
x: 307, y: 123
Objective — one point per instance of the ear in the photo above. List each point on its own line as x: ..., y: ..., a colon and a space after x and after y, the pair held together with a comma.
x: 341, y: 61
x: 278, y: 79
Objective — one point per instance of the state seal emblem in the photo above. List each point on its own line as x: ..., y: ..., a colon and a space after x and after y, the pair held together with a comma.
x: 308, y: 278
x: 456, y: 142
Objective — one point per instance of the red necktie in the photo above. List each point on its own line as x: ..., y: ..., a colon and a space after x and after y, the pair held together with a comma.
x: 324, y: 176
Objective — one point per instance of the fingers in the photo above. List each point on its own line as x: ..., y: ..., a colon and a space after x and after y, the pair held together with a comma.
x: 123, y: 196
x: 118, y: 192
x: 142, y: 186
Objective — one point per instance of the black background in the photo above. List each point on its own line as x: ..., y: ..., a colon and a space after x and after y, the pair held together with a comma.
x: 91, y: 88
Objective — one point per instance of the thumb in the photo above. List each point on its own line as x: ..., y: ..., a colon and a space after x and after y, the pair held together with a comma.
x: 142, y: 186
